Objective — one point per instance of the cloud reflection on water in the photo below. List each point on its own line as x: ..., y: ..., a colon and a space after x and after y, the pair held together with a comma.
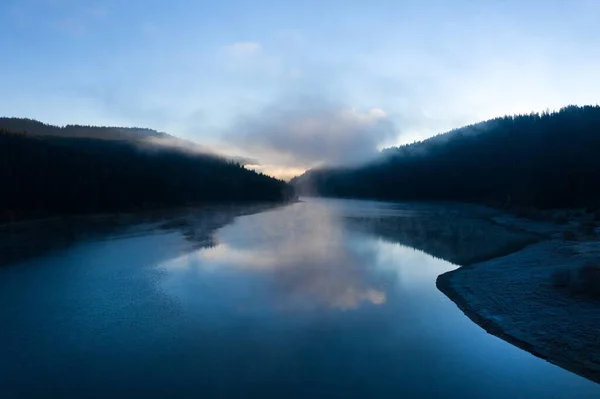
x: 303, y: 255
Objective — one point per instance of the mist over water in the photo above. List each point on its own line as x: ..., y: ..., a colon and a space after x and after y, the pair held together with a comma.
x: 312, y: 299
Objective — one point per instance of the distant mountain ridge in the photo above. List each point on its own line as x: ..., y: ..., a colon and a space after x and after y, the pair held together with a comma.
x: 548, y: 159
x: 48, y: 170
x: 35, y: 127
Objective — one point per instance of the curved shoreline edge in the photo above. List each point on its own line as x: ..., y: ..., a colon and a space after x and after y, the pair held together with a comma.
x: 454, y: 285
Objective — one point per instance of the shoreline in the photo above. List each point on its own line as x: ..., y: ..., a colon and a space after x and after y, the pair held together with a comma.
x: 445, y: 285
x: 504, y: 289
x: 511, y: 297
x: 24, y: 239
x: 37, y: 217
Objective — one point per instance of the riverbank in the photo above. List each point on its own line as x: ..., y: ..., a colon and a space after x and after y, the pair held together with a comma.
x: 25, y: 239
x: 513, y: 297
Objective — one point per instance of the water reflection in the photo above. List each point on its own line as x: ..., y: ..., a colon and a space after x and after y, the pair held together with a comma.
x: 322, y: 298
x: 308, y: 259
x: 298, y: 301
x: 324, y: 253
x: 452, y: 232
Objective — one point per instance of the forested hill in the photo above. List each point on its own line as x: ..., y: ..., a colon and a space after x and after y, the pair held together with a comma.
x: 45, y: 174
x: 34, y: 127
x: 542, y: 160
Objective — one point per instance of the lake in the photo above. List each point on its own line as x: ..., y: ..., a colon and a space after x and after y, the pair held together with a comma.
x: 313, y: 299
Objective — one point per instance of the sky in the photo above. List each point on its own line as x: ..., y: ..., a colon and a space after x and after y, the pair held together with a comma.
x: 295, y: 84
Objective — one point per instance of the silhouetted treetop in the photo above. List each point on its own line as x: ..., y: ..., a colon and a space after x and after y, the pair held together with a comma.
x: 548, y: 159
x: 34, y: 127
x: 49, y: 174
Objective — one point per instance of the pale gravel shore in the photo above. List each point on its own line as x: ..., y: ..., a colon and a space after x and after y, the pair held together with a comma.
x: 512, y: 297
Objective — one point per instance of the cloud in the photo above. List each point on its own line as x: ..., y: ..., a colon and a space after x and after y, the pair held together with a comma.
x: 243, y: 49
x: 149, y: 29
x: 97, y: 11
x: 73, y: 26
x: 138, y: 108
x: 178, y: 144
x: 281, y: 172
x: 308, y: 132
x: 68, y: 16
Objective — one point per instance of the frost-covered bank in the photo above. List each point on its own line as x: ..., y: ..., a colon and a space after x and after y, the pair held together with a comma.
x: 513, y: 297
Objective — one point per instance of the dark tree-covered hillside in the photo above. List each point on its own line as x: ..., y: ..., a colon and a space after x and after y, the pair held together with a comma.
x: 542, y: 160
x: 49, y: 175
x: 99, y: 132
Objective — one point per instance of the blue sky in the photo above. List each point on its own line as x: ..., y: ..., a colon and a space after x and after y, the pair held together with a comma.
x: 295, y: 83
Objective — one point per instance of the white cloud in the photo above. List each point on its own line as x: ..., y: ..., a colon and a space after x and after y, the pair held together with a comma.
x: 306, y: 133
x: 149, y: 29
x: 73, y: 26
x: 98, y: 11
x: 243, y: 49
x: 279, y: 171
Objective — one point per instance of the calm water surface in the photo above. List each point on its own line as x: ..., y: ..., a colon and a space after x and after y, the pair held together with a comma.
x: 291, y: 302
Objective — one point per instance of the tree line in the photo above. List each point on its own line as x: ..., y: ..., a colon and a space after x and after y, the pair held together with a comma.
x: 46, y: 174
x: 99, y: 132
x: 545, y: 160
